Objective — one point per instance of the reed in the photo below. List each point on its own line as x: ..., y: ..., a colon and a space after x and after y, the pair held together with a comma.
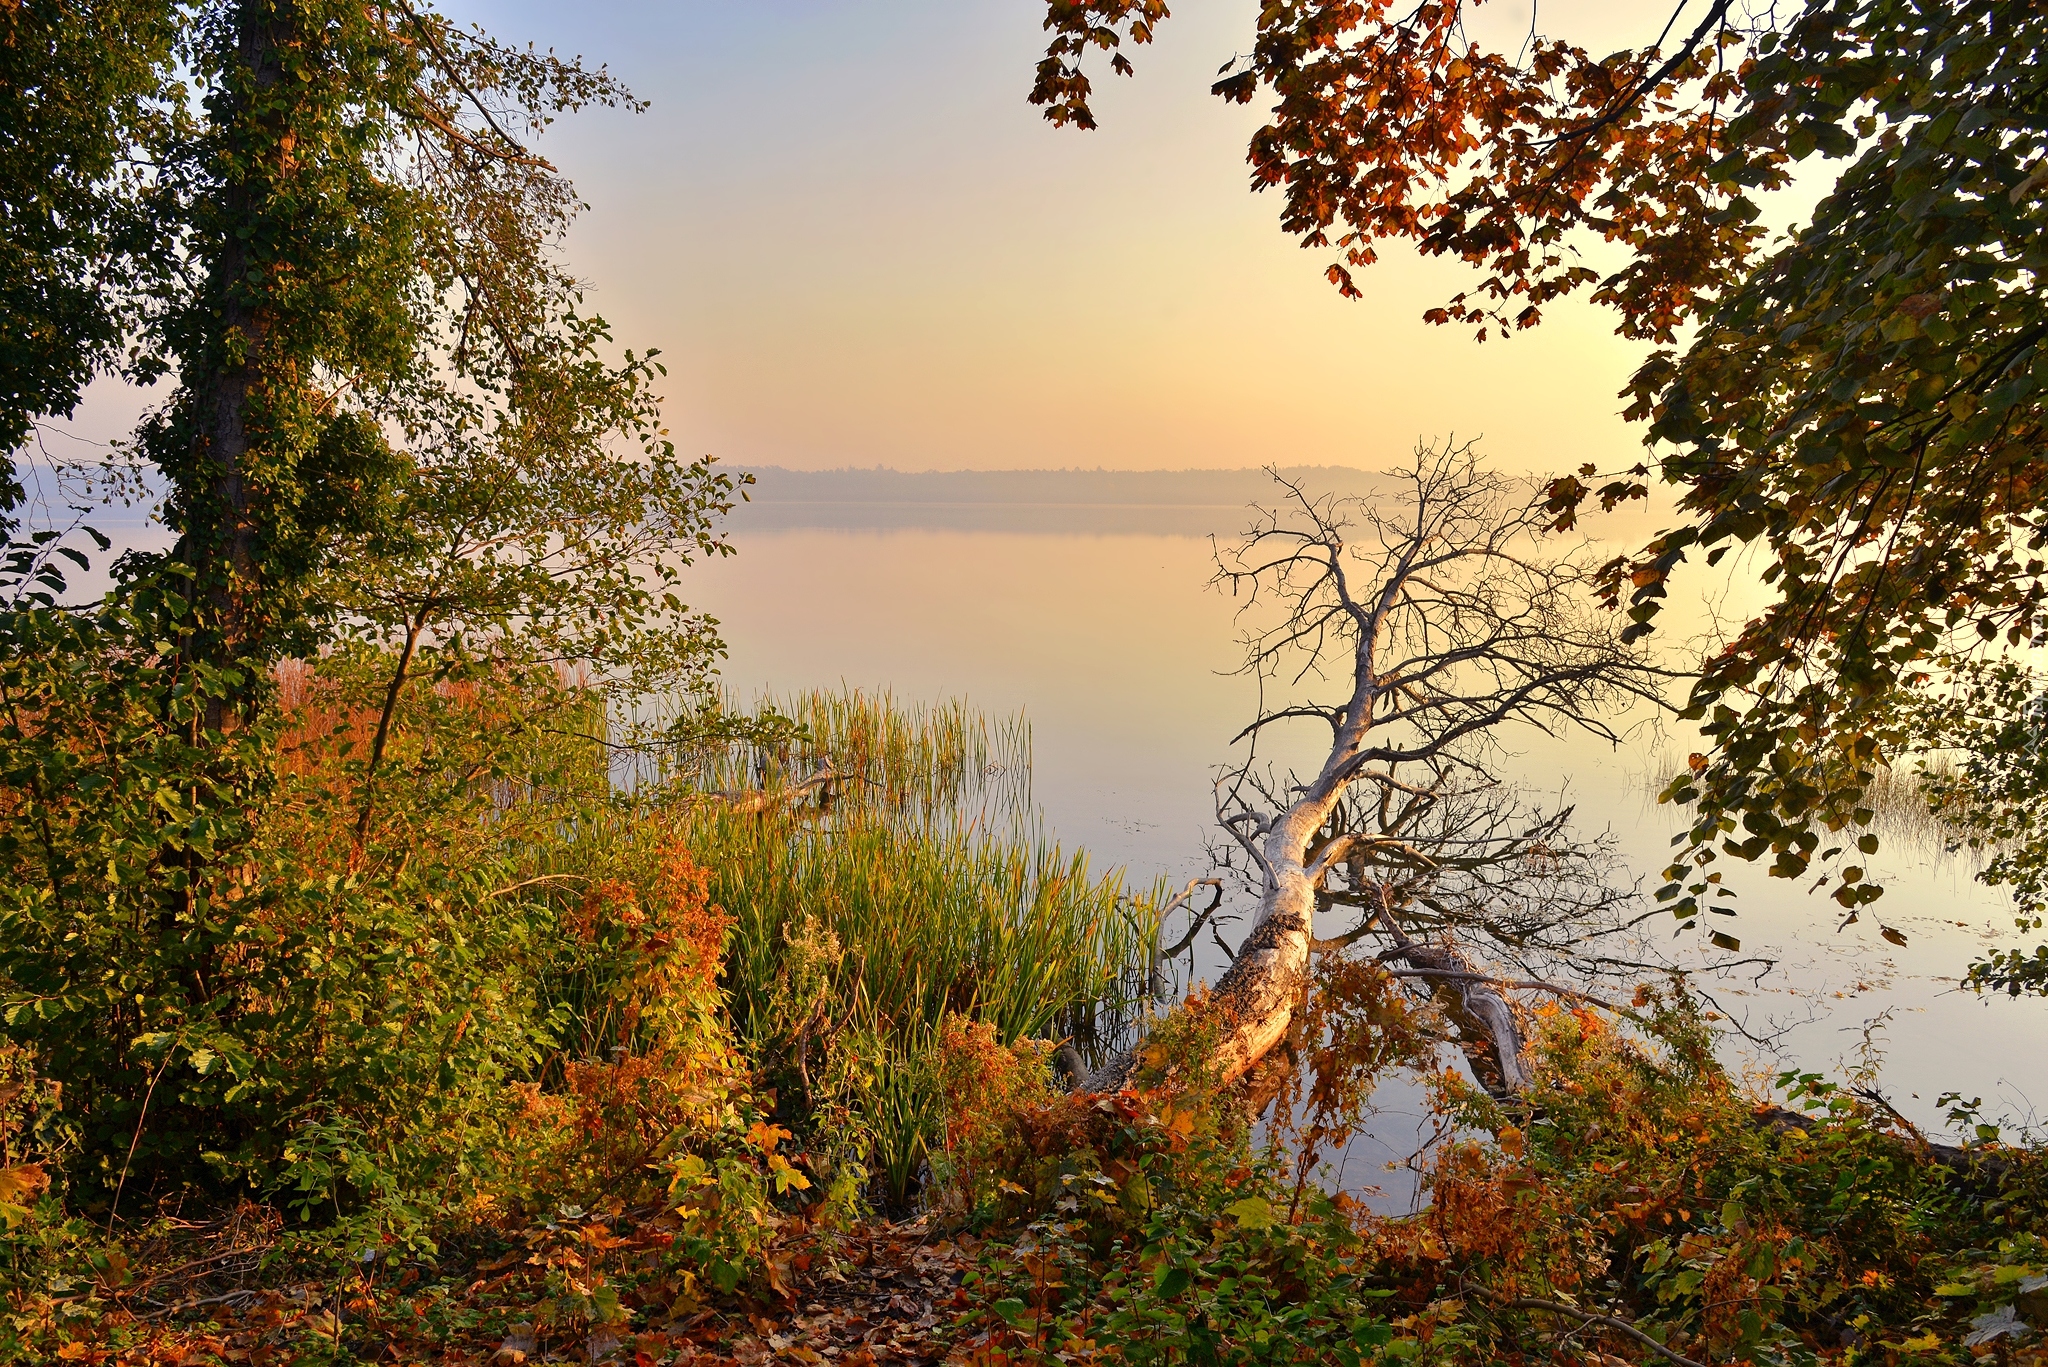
x: 1006, y: 928
x: 1901, y: 813
x: 915, y: 761
x: 924, y: 884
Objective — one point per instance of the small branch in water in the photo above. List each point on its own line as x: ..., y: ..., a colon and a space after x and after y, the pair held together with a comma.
x: 1534, y: 984
x: 1877, y: 1098
x: 762, y: 800
x: 1201, y: 919
x: 1228, y: 952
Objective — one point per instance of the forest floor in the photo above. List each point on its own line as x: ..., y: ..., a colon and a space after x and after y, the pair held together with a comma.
x: 226, y: 1294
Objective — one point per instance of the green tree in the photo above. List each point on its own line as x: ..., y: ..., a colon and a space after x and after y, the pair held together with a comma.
x: 352, y: 199
x: 1867, y: 405
x: 390, y: 420
x: 82, y: 84
x: 546, y: 527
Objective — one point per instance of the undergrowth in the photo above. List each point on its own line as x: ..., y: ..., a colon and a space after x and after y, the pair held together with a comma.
x: 914, y: 887
x: 522, y: 1065
x: 1635, y: 1205
x: 485, y: 994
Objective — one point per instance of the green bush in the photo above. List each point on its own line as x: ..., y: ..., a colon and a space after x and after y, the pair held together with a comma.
x: 231, y: 991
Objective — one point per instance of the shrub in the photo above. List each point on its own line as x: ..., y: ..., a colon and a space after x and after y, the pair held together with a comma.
x: 29, y: 1150
x: 345, y: 1022
x: 1635, y: 1193
x: 1145, y: 1228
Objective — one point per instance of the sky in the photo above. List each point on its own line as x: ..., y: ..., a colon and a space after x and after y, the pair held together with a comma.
x: 857, y: 244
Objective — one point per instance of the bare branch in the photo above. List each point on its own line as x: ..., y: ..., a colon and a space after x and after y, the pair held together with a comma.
x: 1201, y: 918
x: 1448, y: 614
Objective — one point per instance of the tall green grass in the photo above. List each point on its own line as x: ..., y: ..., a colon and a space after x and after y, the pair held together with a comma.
x: 928, y: 919
x: 921, y: 884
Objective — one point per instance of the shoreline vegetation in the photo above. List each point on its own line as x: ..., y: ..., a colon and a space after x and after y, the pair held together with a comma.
x: 383, y: 978
x: 597, y: 1057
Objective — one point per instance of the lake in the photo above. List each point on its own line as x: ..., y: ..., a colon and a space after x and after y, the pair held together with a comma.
x: 1095, y: 621
x: 1080, y: 599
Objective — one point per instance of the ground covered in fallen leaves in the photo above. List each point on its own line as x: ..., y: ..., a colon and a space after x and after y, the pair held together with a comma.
x: 584, y: 1290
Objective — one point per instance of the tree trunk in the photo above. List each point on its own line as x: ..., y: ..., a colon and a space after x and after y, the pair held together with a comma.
x: 382, y: 739
x: 1257, y: 996
x: 220, y: 540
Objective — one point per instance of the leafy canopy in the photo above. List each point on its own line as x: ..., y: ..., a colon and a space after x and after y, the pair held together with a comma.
x: 1861, y: 400
x: 80, y: 83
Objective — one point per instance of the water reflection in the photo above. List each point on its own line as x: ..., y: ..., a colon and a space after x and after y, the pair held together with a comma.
x: 1096, y: 622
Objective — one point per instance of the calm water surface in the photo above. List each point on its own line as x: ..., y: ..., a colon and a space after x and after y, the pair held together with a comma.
x: 1111, y: 644
x: 1119, y: 655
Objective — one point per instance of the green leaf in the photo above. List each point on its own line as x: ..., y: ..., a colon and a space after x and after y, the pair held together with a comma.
x: 1253, y: 1212
x: 1373, y: 1334
x: 724, y: 1275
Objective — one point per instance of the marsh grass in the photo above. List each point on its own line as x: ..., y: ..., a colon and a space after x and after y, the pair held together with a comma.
x: 924, y: 920
x: 1904, y: 816
x: 914, y: 760
x: 923, y: 884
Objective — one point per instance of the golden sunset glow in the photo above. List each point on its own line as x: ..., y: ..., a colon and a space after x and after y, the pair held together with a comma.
x: 852, y: 683
x: 858, y: 245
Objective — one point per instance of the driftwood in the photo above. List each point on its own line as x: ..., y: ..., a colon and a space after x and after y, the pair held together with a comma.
x: 1970, y: 1170
x: 1451, y: 619
x: 750, y: 802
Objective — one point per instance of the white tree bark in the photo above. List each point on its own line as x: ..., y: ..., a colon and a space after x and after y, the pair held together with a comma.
x: 1467, y: 621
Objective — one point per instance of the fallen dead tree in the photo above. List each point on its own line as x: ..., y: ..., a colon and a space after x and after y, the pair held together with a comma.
x: 1447, y: 615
